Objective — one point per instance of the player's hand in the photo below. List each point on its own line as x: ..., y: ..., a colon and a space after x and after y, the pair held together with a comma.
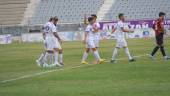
x: 131, y: 31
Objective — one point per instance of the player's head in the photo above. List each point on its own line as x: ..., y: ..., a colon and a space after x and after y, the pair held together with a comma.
x: 121, y: 17
x: 55, y: 20
x: 94, y: 16
x: 51, y: 18
x: 91, y: 20
x: 161, y: 15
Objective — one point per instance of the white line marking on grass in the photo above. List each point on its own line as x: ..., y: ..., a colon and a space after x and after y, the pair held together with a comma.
x: 50, y: 71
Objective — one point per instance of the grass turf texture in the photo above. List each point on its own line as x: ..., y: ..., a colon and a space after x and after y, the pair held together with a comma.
x: 144, y: 77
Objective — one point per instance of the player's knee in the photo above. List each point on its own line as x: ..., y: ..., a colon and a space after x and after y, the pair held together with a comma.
x: 60, y: 51
x: 50, y: 51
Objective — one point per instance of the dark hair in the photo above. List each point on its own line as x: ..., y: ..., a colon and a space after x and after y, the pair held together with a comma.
x: 55, y: 18
x: 120, y: 15
x: 90, y: 19
x: 161, y: 14
x: 94, y: 15
x: 51, y: 18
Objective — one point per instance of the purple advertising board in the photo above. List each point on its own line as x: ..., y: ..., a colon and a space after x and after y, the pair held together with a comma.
x: 135, y: 24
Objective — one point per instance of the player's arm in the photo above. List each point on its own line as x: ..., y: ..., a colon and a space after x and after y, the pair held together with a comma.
x: 113, y: 30
x: 43, y: 35
x: 162, y: 27
x: 127, y: 30
x: 95, y: 28
x: 85, y: 20
x: 54, y: 30
x: 57, y: 36
x: 85, y: 37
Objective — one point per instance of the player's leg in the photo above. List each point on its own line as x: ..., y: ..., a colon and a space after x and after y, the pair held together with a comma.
x: 131, y: 59
x: 47, y: 57
x: 96, y: 55
x: 95, y: 52
x: 97, y: 41
x: 40, y: 60
x: 115, y: 54
x: 156, y: 47
x: 85, y: 55
x: 55, y: 45
x: 86, y: 52
x: 56, y: 55
x: 61, y: 56
x: 116, y: 51
x: 124, y: 45
x: 162, y: 47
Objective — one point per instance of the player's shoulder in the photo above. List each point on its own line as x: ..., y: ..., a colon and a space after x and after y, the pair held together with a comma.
x: 120, y: 23
x: 89, y: 26
x: 97, y: 23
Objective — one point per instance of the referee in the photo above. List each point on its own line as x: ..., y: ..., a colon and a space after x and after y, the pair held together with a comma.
x: 159, y: 33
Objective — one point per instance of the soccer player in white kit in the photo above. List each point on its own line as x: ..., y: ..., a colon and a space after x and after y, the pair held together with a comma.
x: 59, y: 46
x: 52, y: 40
x: 120, y: 39
x: 89, y: 40
x: 97, y: 28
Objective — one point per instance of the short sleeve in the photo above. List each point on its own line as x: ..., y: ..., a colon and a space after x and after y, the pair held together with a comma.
x: 54, y: 29
x: 98, y: 25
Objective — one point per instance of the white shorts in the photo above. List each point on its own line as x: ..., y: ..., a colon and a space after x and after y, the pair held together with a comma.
x: 97, y: 40
x: 120, y: 43
x: 51, y: 43
x: 90, y: 43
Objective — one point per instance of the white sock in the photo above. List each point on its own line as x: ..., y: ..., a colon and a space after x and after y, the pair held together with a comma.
x: 128, y: 53
x: 96, y: 54
x: 41, y: 57
x: 45, y: 57
x: 85, y: 55
x: 61, y: 58
x: 55, y: 57
x: 115, y: 53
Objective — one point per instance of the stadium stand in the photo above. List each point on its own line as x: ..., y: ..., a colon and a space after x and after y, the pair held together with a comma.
x: 138, y: 9
x: 35, y: 12
x: 67, y: 10
x: 12, y: 11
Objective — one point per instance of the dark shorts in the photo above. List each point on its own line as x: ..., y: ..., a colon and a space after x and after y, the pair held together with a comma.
x: 159, y: 39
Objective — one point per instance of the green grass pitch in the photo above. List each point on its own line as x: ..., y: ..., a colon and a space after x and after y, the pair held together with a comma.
x: 144, y: 77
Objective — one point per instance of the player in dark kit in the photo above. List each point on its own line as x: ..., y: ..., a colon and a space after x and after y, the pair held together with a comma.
x: 159, y: 33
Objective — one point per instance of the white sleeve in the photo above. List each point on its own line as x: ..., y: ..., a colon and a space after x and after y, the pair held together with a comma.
x: 54, y: 29
x: 98, y: 25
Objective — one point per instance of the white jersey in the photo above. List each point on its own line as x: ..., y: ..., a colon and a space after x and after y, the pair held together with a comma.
x: 96, y: 25
x: 89, y: 30
x: 90, y: 37
x: 49, y: 29
x: 119, y: 33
